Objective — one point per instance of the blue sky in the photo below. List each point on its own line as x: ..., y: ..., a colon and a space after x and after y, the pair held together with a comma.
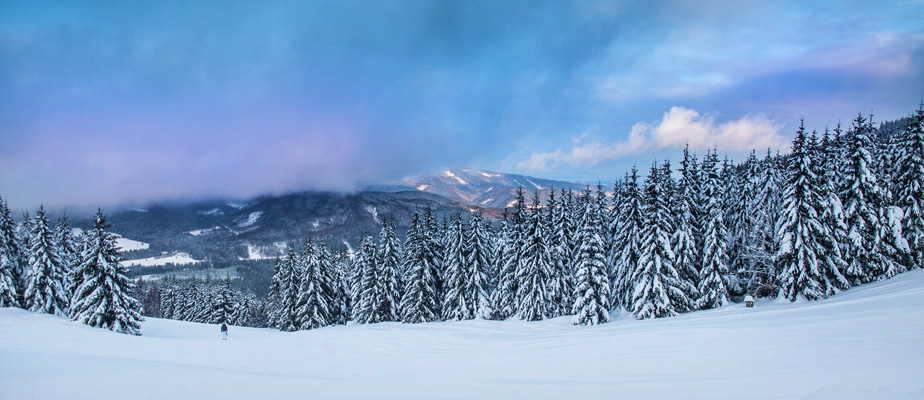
x: 104, y: 102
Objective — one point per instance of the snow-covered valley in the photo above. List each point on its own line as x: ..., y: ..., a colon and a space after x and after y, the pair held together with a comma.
x: 865, y: 343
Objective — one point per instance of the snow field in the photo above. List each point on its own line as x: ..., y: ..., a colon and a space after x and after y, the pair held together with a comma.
x: 865, y: 343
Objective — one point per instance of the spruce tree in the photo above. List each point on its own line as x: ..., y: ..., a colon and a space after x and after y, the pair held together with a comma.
x: 713, y: 285
x: 224, y: 302
x: 910, y: 188
x: 561, y: 287
x: 313, y: 304
x: 367, y: 289
x: 456, y: 304
x: 862, y: 198
x: 504, y: 296
x: 683, y: 243
x: 387, y: 265
x: 629, y: 241
x: 479, y: 253
x: 535, y: 269
x: 656, y: 284
x: 591, y: 281
x: 45, y: 291
x: 287, y: 317
x: 831, y: 217
x: 421, y: 300
x: 66, y: 248
x: 800, y: 251
x: 10, y: 260
x: 104, y: 298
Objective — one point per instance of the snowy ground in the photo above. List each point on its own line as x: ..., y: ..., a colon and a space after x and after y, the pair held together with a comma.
x: 867, y: 343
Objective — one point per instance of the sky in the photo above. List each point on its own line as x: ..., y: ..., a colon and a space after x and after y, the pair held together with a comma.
x: 113, y: 102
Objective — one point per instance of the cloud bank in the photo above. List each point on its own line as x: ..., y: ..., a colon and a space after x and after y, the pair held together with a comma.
x: 679, y: 127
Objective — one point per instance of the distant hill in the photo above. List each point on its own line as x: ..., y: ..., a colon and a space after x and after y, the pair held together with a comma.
x: 484, y: 188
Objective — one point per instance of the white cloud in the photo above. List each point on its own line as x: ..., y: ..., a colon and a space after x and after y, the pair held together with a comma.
x: 679, y: 126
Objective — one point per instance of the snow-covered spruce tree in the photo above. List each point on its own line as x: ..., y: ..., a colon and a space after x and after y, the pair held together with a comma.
x: 45, y: 291
x: 560, y: 284
x: 366, y: 290
x: 862, y: 199
x: 767, y: 209
x: 223, y: 303
x: 434, y: 243
x: 591, y: 280
x: 67, y: 250
x: 738, y: 202
x: 798, y: 259
x: 713, y: 284
x: 287, y: 316
x: 831, y: 216
x: 505, y: 297
x: 313, y: 304
x: 387, y: 266
x: 331, y: 284
x: 421, y: 300
x: 656, y: 284
x: 456, y: 305
x: 274, y: 297
x: 535, y: 269
x: 104, y: 298
x: 168, y: 300
x: 629, y: 242
x: 686, y: 254
x: 910, y: 188
x: 479, y: 256
x: 10, y: 260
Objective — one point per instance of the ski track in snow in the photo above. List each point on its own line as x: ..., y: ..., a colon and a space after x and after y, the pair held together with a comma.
x: 865, y: 343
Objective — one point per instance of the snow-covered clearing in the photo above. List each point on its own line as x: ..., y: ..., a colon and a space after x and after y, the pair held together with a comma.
x: 866, y: 343
x: 251, y: 219
x: 178, y: 259
x: 264, y: 253
x: 200, y: 232
x: 129, y: 245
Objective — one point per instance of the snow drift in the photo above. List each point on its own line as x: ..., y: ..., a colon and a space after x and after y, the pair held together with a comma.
x: 865, y: 343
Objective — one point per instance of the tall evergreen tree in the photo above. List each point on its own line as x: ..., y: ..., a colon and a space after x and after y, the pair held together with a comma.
x: 831, y: 217
x: 683, y: 243
x: 367, y: 289
x: 10, y: 260
x: 629, y: 241
x: 104, y: 298
x: 421, y: 300
x: 713, y: 285
x: 800, y: 251
x: 287, y: 317
x: 387, y: 266
x: 456, y: 304
x: 862, y: 198
x: 910, y: 188
x: 66, y: 248
x: 656, y: 285
x: 223, y: 304
x: 45, y: 291
x: 535, y: 269
x: 591, y: 281
x: 561, y: 287
x: 479, y: 256
x: 505, y: 298
x: 313, y: 306
x: 767, y: 208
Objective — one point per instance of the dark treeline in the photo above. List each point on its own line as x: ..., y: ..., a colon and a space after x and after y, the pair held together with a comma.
x: 205, y: 301
x: 842, y: 209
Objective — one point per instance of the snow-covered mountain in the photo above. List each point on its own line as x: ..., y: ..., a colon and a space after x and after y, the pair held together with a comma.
x: 864, y: 343
x: 484, y: 188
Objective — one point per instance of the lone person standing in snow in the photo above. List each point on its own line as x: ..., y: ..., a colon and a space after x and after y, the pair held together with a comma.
x: 224, y: 331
